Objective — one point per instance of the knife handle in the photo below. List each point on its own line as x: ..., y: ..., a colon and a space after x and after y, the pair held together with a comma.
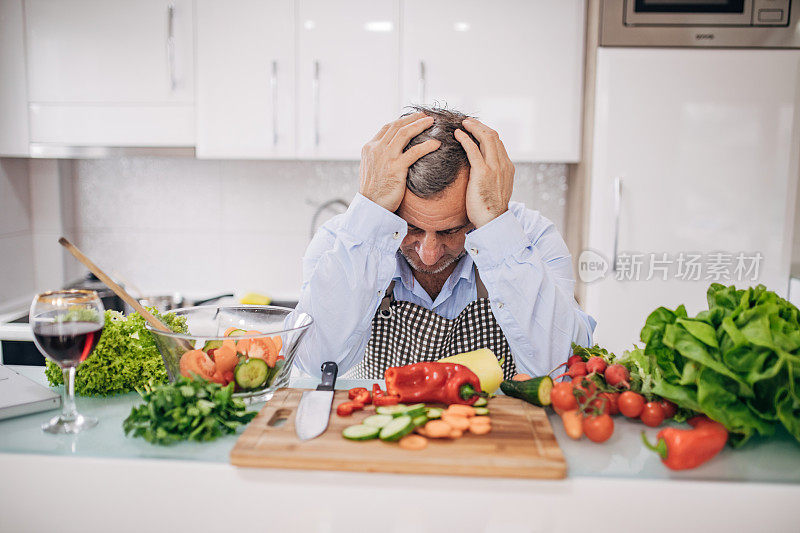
x: 329, y: 371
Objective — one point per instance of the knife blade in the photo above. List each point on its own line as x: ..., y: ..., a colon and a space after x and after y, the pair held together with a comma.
x: 315, y: 406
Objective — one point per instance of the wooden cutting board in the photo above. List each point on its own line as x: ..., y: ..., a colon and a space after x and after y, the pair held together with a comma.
x: 520, y: 445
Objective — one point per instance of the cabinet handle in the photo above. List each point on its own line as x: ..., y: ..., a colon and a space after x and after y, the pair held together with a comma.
x: 273, y: 83
x: 421, y: 83
x: 316, y: 103
x: 171, y: 46
x: 617, y: 208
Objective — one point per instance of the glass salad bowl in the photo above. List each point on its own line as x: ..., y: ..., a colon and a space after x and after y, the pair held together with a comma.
x: 251, y: 346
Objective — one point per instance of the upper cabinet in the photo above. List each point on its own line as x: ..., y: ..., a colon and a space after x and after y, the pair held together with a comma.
x: 347, y: 74
x: 245, y: 78
x: 516, y: 64
x: 111, y: 72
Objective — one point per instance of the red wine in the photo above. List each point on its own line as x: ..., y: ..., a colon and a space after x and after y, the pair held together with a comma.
x: 68, y: 343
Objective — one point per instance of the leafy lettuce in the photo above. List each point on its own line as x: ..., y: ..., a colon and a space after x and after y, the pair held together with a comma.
x: 125, y: 358
x: 738, y: 362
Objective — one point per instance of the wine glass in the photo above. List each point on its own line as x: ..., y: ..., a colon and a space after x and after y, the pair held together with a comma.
x: 66, y: 327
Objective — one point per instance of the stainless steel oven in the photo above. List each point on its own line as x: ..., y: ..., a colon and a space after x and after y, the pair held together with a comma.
x: 701, y: 23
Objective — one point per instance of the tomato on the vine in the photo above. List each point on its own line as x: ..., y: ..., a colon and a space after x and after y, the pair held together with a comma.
x: 631, y: 404
x: 612, y: 402
x: 562, y: 396
x: 598, y: 428
x: 669, y: 408
x: 652, y: 414
x: 585, y: 390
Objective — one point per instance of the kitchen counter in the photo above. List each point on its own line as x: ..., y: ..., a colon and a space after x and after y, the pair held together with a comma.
x: 753, y: 487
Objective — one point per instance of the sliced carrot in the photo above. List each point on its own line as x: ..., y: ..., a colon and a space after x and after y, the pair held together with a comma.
x: 413, y: 442
x: 479, y: 420
x: 456, y: 434
x: 460, y: 410
x: 437, y: 429
x: 455, y: 421
x: 230, y: 343
x: 421, y: 431
x: 480, y: 429
x: 521, y: 377
x: 278, y: 342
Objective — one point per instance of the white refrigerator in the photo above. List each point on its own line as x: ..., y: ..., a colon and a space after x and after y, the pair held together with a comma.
x: 693, y: 179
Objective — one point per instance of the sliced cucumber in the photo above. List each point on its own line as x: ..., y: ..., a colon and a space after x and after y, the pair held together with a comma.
x: 415, y: 410
x: 211, y: 345
x: 397, y: 428
x: 378, y: 421
x: 433, y: 412
x: 420, y: 420
x: 237, y: 333
x: 360, y: 432
x: 479, y: 411
x: 394, y: 410
x: 481, y: 402
x: 251, y: 373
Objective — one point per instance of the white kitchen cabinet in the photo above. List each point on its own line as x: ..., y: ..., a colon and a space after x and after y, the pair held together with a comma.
x: 516, y: 64
x: 110, y: 72
x: 347, y: 75
x: 245, y: 79
x: 13, y: 90
x: 705, y: 144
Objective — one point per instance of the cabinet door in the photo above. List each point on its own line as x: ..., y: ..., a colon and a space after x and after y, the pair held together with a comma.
x: 516, y: 64
x: 705, y: 144
x: 103, y: 51
x: 347, y: 74
x: 245, y: 78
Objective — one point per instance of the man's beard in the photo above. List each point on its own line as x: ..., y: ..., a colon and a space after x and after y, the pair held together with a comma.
x: 425, y: 269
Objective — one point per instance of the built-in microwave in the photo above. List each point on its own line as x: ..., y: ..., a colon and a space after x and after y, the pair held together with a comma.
x: 703, y: 23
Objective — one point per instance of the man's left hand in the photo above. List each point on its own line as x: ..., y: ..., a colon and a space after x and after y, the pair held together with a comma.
x: 491, y: 175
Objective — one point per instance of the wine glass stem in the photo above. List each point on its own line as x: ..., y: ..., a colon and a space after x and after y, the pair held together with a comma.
x: 68, y: 412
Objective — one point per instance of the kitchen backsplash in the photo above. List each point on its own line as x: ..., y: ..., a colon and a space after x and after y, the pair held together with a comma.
x: 202, y: 226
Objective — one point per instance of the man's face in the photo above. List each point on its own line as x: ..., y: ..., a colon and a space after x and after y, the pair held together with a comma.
x: 437, y: 227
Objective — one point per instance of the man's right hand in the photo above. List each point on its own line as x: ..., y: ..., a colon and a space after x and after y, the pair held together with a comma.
x: 384, y: 165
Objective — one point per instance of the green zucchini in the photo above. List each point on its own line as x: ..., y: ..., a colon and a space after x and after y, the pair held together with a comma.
x: 434, y: 412
x: 360, y: 432
x: 397, y: 428
x: 534, y: 390
x: 481, y: 402
x: 377, y: 421
x: 481, y: 411
x: 251, y: 373
x: 394, y: 410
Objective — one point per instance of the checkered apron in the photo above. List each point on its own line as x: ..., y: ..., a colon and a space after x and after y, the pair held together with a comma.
x: 404, y: 333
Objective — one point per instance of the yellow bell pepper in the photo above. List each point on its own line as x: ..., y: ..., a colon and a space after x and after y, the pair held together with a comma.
x: 485, y: 365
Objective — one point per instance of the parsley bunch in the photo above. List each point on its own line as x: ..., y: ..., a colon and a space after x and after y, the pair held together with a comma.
x: 186, y: 410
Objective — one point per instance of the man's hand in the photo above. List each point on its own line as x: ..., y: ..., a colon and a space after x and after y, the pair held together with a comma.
x: 491, y: 175
x: 384, y: 165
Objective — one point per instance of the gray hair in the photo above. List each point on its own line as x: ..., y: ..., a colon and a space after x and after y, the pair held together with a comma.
x: 432, y: 173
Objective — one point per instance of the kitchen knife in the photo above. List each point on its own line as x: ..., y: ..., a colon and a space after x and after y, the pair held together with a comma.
x: 315, y: 406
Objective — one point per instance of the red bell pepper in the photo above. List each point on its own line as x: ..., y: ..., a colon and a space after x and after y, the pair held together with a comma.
x: 347, y: 408
x: 682, y: 449
x: 361, y: 395
x: 433, y: 382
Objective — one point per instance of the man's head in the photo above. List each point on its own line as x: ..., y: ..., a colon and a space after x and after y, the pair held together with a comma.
x: 434, y: 204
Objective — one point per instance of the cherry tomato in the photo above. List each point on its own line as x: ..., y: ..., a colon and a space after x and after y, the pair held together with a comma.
x: 598, y: 428
x: 562, y: 397
x: 612, y: 402
x: 669, y: 408
x: 631, y: 404
x: 584, y: 389
x: 652, y: 414
x: 599, y: 406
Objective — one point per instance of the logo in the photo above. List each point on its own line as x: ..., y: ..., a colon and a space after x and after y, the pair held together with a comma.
x: 704, y: 36
x: 591, y: 266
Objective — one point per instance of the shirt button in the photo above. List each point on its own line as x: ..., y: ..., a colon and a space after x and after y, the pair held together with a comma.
x: 474, y: 251
x: 396, y: 235
x: 499, y: 305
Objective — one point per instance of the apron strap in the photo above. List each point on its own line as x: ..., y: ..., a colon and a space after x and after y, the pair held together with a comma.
x: 482, y: 292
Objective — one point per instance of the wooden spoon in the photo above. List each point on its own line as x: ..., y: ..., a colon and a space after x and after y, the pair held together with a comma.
x: 119, y: 291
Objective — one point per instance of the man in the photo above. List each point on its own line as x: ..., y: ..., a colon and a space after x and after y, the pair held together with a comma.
x: 431, y: 259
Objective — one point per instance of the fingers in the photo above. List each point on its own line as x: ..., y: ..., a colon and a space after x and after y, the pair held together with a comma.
x: 487, y: 137
x: 473, y: 152
x: 380, y: 133
x: 390, y: 132
x: 409, y: 131
x: 418, y: 150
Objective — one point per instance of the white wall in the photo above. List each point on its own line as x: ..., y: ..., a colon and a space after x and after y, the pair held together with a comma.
x: 179, y: 224
x: 200, y: 226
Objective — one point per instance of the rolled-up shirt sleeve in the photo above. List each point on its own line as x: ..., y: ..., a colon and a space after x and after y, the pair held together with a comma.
x: 527, y: 270
x: 346, y: 269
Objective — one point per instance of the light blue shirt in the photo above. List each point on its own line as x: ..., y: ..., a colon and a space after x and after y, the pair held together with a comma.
x: 521, y: 257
